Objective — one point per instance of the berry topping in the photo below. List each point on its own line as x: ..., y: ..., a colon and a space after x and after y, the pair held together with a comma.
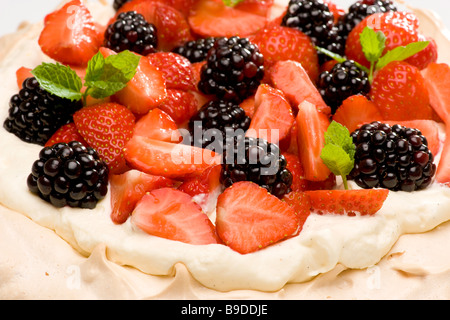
x: 69, y: 174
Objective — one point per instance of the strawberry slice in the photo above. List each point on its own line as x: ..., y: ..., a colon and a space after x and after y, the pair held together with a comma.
x: 273, y: 117
x: 295, y: 167
x: 437, y: 80
x: 127, y: 190
x: 106, y: 127
x: 248, y: 105
x: 291, y: 78
x: 301, y: 203
x: 259, y: 7
x: 168, y: 159
x: 212, y: 18
x: 355, y: 110
x: 70, y: 35
x: 347, y: 202
x: 158, y: 125
x: 145, y: 91
x: 311, y: 128
x: 400, y: 93
x: 249, y: 218
x: 171, y: 214
x: 22, y: 74
x: 67, y: 133
x: 180, y: 105
x: 443, y: 169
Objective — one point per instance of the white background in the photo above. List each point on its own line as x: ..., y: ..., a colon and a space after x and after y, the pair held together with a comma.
x: 13, y: 12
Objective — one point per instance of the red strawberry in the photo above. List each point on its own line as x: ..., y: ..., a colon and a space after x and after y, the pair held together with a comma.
x: 173, y: 28
x: 70, y: 35
x: 273, y: 117
x: 400, y: 93
x: 180, y: 105
x: 311, y: 128
x: 107, y: 128
x: 437, y: 80
x: 171, y: 214
x: 145, y: 91
x: 291, y: 78
x: 212, y: 18
x: 400, y: 29
x: 295, y: 167
x: 177, y: 70
x: 158, y: 125
x: 128, y: 188
x: 347, y: 202
x: 248, y: 105
x: 355, y: 110
x: 327, y: 184
x: 22, y: 74
x: 300, y: 202
x: 259, y: 7
x: 249, y: 218
x: 168, y: 159
x: 66, y: 133
x: 337, y: 11
x: 443, y: 169
x: 279, y: 43
x: 184, y: 6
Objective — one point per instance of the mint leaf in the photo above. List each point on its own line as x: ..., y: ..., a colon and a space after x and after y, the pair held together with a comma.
x: 372, y: 43
x: 401, y: 53
x: 59, y: 80
x: 231, y: 3
x: 338, y: 154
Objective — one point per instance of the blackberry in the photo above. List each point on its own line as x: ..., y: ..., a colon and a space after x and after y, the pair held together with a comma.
x: 130, y: 31
x: 117, y: 4
x: 212, y: 122
x: 35, y: 115
x: 343, y: 81
x: 69, y: 174
x: 392, y: 157
x: 233, y: 71
x: 358, y: 11
x: 256, y: 160
x: 196, y: 50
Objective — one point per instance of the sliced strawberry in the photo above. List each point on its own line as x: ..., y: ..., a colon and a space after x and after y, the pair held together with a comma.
x: 278, y: 43
x: 107, y: 128
x: 347, y: 202
x: 177, y: 70
x: 291, y: 78
x: 70, y: 35
x: 66, y: 133
x: 171, y: 214
x: 249, y: 218
x: 145, y: 91
x: 443, y: 169
x: 355, y: 110
x: 212, y: 18
x: 184, y: 6
x: 273, y: 117
x: 311, y: 126
x: 168, y: 159
x: 300, y: 202
x: 259, y: 7
x: 158, y: 125
x: 180, y: 105
x: 299, y: 183
x: 248, y: 105
x: 400, y: 93
x: 128, y: 188
x: 437, y: 80
x: 22, y: 74
x: 173, y: 28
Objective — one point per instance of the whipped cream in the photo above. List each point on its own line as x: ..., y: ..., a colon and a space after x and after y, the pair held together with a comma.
x: 327, y: 244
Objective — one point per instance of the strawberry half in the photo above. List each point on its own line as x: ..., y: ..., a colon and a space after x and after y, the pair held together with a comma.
x: 437, y: 80
x: 158, y: 125
x: 249, y: 218
x: 127, y: 190
x: 180, y: 105
x: 347, y: 202
x: 70, y: 35
x: 171, y: 214
x: 107, y: 128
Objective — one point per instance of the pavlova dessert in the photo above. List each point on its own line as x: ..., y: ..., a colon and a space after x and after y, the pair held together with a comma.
x: 232, y: 146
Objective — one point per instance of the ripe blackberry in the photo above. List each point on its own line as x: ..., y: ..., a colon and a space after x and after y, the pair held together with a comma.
x: 212, y: 122
x: 395, y: 158
x: 343, y: 81
x: 35, y: 115
x: 69, y: 174
x: 130, y: 31
x: 361, y: 9
x: 256, y: 160
x: 233, y: 71
x: 196, y: 50
x: 117, y: 4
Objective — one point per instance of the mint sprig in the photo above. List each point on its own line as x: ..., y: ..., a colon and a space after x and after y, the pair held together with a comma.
x: 338, y: 154
x: 104, y: 76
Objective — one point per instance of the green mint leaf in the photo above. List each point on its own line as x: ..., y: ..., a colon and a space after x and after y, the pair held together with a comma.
x: 59, y: 80
x: 401, y: 53
x: 339, y: 58
x: 106, y: 76
x: 231, y: 3
x: 372, y: 43
x: 338, y: 154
